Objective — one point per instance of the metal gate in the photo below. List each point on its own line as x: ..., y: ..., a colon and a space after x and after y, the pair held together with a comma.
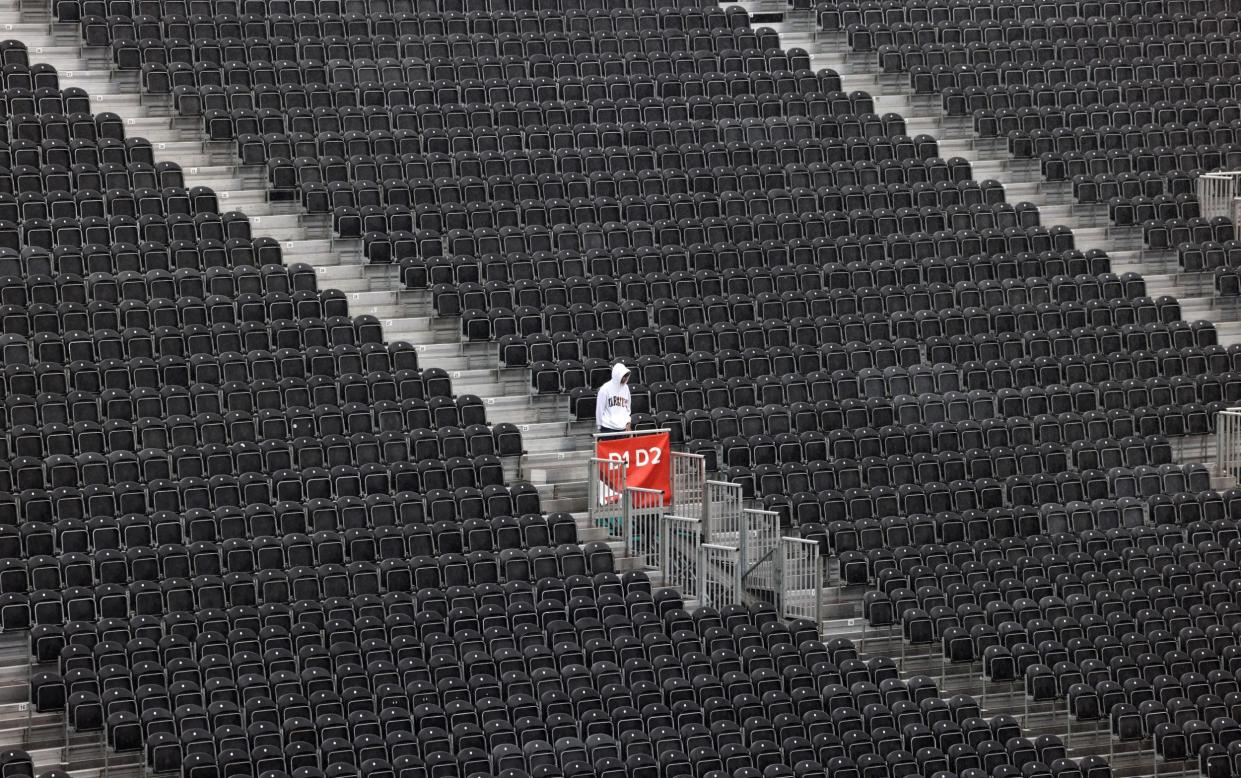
x: 720, y: 570
x: 681, y: 543
x: 689, y: 474
x: 801, y: 580
x: 1228, y: 444
x: 759, y: 544
x: 644, y: 511
x: 1216, y: 193
x: 722, y: 513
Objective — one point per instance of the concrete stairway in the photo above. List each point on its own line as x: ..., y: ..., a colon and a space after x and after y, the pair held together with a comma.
x: 44, y: 735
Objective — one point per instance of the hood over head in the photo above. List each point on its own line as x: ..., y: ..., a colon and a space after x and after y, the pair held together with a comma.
x: 619, y: 371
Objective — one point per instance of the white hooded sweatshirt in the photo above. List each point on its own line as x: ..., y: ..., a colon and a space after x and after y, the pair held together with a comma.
x: 612, y: 401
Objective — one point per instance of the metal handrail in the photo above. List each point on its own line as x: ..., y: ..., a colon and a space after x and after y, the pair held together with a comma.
x: 764, y: 558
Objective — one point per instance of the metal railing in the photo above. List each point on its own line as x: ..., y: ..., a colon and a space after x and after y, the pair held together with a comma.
x: 801, y: 580
x: 758, y: 547
x: 681, y: 541
x: 1217, y: 192
x: 706, y: 543
x: 722, y: 512
x: 606, y: 480
x: 689, y: 475
x: 644, y: 512
x: 760, y: 581
x: 1228, y: 444
x: 720, y: 570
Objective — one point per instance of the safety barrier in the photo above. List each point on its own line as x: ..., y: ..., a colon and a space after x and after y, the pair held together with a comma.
x: 644, y: 511
x: 1217, y: 193
x: 801, y: 580
x: 706, y: 543
x: 759, y: 543
x: 784, y: 572
x: 681, y: 542
x: 1228, y: 444
x: 720, y: 571
x: 689, y: 475
x: 722, y: 516
x: 606, y: 480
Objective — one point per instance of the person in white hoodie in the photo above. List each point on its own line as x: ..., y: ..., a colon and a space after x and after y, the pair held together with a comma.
x: 612, y: 402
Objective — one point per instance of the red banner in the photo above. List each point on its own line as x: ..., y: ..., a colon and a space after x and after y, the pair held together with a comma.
x: 649, y: 460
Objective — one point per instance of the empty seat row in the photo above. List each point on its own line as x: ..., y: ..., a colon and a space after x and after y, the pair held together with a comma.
x: 113, y: 202
x: 408, y: 173
x: 1160, y: 160
x: 755, y: 295
x: 712, y: 96
x: 26, y: 179
x: 899, y: 59
x: 838, y: 16
x: 1131, y: 137
x: 264, y: 515
x: 200, y: 255
x: 1173, y: 73
x: 1078, y: 82
x: 868, y: 37
x: 434, y: 21
x: 273, y: 27
x: 559, y: 139
x: 215, y: 41
x: 341, y: 23
x: 533, y: 220
x: 1039, y: 107
x: 388, y: 242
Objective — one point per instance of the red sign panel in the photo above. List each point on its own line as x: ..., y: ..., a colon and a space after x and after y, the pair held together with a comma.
x: 649, y: 460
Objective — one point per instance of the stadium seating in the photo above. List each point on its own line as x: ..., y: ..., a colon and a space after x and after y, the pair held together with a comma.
x: 1127, y: 101
x: 249, y: 537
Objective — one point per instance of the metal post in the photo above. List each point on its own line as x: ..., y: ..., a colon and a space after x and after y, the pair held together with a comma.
x: 624, y: 527
x: 1068, y: 722
x: 30, y: 705
x: 708, y: 517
